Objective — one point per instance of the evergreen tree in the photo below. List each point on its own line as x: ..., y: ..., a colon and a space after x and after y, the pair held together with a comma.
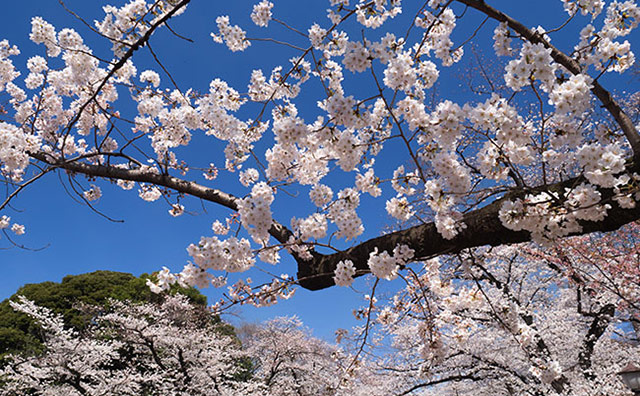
x: 20, y: 334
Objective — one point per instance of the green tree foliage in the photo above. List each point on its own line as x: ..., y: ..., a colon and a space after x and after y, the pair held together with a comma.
x: 19, y: 334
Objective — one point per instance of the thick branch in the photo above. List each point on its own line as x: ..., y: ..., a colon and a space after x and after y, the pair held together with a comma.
x: 483, y: 227
x: 623, y: 120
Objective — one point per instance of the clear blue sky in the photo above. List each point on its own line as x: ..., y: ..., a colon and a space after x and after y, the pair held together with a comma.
x: 79, y: 241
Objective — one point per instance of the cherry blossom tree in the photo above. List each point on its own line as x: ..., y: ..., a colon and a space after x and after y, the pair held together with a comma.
x: 606, y: 266
x: 133, y: 349
x: 548, y: 153
x: 516, y: 320
x: 289, y: 361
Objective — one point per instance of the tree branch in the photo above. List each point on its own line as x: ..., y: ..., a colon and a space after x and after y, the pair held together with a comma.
x: 483, y: 227
x: 598, y: 326
x: 122, y: 61
x: 278, y: 231
x: 623, y: 120
x: 454, y: 378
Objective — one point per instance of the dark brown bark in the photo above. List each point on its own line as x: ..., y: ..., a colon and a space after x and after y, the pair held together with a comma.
x: 601, y: 321
x: 483, y: 227
x: 454, y: 378
x: 278, y: 231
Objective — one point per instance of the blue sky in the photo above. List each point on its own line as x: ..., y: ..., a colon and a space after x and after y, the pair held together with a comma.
x: 77, y: 240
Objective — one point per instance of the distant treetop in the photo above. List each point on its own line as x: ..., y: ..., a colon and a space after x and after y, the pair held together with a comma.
x: 18, y: 333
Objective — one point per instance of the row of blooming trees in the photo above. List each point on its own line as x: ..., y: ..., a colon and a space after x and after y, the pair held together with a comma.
x: 499, y: 321
x: 173, y: 347
x: 19, y: 334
